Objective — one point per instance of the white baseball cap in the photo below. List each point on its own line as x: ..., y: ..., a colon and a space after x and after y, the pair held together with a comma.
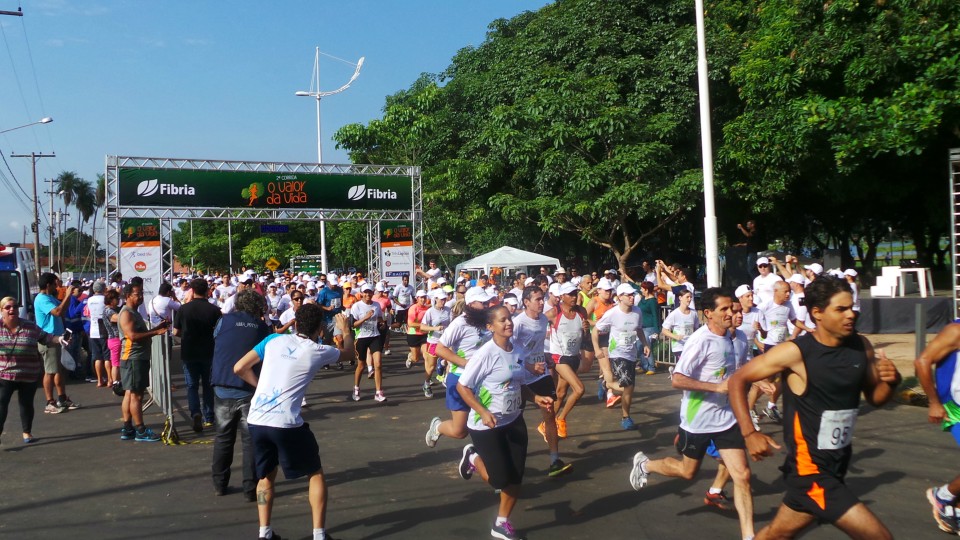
x: 742, y: 290
x: 763, y: 260
x: 566, y: 288
x: 422, y: 292
x: 379, y: 287
x: 559, y: 270
x: 816, y: 268
x: 438, y: 294
x: 605, y: 284
x: 528, y: 282
x: 512, y: 300
x: 477, y: 294
x: 441, y: 281
x: 554, y: 289
x: 366, y: 287
x: 796, y: 278
x: 850, y: 272
x: 625, y: 288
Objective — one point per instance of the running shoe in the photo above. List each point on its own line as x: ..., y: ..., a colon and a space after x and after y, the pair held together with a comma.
x: 370, y: 372
x: 427, y: 391
x: 650, y: 372
x: 276, y: 536
x: 147, y: 435
x: 561, y: 428
x: 755, y: 419
x: 441, y: 369
x: 386, y: 352
x: 613, y: 400
x: 601, y: 389
x: 380, y: 397
x: 542, y: 430
x: 719, y: 500
x: 773, y: 413
x: 127, y: 434
x: 638, y: 477
x: 53, y: 408
x: 433, y: 432
x: 68, y: 404
x: 466, y: 468
x: 409, y: 361
x: 627, y: 423
x: 197, y: 423
x: 505, y: 531
x: 558, y: 467
x: 943, y: 512
x: 356, y: 393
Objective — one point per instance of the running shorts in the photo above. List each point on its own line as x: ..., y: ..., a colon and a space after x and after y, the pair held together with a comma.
x: 453, y: 400
x: 586, y: 343
x: 371, y: 344
x: 416, y: 340
x: 135, y: 374
x: 543, y: 387
x: 432, y: 349
x: 821, y: 495
x: 572, y: 361
x: 694, y: 445
x: 504, y: 452
x: 98, y: 349
x: 624, y: 371
x: 293, y: 449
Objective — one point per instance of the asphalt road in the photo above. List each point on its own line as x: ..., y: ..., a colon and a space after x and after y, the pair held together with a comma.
x: 79, y: 480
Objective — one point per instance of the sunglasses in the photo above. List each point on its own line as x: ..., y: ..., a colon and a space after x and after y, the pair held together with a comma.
x: 763, y: 266
x: 10, y: 306
x: 297, y: 299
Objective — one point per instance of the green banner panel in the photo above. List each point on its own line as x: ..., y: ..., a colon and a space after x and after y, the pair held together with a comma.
x: 178, y: 188
x: 139, y: 230
x: 396, y: 231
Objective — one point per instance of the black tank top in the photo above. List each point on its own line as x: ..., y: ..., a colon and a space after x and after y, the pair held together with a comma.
x: 818, y: 424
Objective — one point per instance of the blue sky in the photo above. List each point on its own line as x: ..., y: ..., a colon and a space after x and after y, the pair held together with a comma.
x: 205, y: 79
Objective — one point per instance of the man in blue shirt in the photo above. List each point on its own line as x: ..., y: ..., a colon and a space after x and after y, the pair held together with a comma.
x: 49, y: 311
x: 330, y: 300
x: 236, y: 334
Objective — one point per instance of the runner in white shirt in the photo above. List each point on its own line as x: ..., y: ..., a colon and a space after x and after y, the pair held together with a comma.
x: 367, y: 316
x: 624, y: 323
x: 804, y: 323
x: 707, y: 362
x: 775, y: 317
x: 434, y: 321
x: 491, y: 385
x: 749, y: 318
x: 568, y: 324
x: 432, y: 274
x: 529, y: 333
x: 278, y: 432
x: 680, y: 324
x: 402, y: 296
x: 163, y: 306
x: 465, y: 335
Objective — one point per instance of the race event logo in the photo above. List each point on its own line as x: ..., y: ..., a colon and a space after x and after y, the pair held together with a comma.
x: 359, y: 192
x: 139, y: 266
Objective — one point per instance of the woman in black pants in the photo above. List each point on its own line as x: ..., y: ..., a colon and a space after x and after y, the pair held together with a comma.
x: 20, y: 365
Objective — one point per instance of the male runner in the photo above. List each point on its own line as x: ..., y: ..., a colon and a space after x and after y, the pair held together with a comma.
x: 824, y: 374
x: 943, y: 394
x: 703, y: 373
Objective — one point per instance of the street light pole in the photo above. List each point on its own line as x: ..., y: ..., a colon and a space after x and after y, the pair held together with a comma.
x: 712, y: 251
x: 36, y: 211
x: 316, y: 93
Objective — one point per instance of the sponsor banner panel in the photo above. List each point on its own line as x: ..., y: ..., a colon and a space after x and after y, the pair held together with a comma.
x: 140, y: 253
x: 396, y: 251
x: 237, y: 189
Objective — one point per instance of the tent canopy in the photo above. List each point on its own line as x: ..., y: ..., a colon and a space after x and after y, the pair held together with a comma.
x: 507, y: 257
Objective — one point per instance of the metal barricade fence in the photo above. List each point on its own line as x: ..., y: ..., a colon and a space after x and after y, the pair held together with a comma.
x: 161, y: 353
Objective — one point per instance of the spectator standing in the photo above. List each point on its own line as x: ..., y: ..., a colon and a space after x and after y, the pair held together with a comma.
x: 20, y: 366
x: 49, y: 310
x: 195, y: 323
x: 135, y: 365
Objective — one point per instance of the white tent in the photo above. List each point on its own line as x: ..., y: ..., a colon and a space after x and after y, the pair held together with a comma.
x: 507, y: 257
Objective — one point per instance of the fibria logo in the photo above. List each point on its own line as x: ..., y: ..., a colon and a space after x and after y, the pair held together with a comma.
x: 150, y: 187
x: 358, y: 192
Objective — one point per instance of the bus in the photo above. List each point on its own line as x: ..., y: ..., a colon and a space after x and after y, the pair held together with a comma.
x: 18, y: 278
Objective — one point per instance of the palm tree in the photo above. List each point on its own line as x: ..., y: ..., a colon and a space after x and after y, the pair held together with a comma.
x: 67, y: 186
x: 86, y: 206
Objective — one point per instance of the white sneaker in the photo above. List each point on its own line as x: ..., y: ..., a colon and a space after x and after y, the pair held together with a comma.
x: 638, y: 478
x: 755, y: 419
x: 409, y: 361
x: 303, y: 402
x: 380, y: 397
x: 356, y: 393
x: 386, y: 352
x: 433, y: 432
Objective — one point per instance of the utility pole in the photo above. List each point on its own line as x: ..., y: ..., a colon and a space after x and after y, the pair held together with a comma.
x: 50, y: 228
x: 36, y: 212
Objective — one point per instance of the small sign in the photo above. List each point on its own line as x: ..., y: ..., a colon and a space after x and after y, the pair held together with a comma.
x: 274, y: 229
x: 272, y: 263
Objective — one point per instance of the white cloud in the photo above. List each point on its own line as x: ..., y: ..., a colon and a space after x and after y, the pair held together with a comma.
x: 16, y: 225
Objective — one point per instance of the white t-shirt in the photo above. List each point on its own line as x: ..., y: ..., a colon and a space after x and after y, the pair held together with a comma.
x: 763, y: 288
x: 742, y: 348
x: 623, y: 328
x: 856, y: 296
x: 495, y: 376
x: 681, y: 324
x: 95, y: 306
x: 436, y: 317
x: 289, y: 364
x: 773, y: 321
x: 528, y: 336
x: 464, y: 340
x: 229, y: 305
x: 803, y: 314
x: 286, y: 317
x: 162, y: 307
x: 566, y: 334
x: 433, y: 274
x: 748, y: 328
x: 403, y: 295
x: 710, y: 358
x: 359, y: 310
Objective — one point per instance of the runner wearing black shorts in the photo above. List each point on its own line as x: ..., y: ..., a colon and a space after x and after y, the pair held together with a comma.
x: 825, y: 373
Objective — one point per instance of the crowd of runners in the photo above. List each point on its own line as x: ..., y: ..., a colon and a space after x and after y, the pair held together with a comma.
x: 251, y: 344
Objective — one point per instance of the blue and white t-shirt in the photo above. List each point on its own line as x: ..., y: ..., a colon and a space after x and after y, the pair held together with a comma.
x: 289, y: 364
x: 495, y: 376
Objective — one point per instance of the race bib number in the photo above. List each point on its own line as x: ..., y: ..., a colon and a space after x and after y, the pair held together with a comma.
x: 624, y: 341
x: 535, y: 358
x: 836, y: 429
x: 512, y: 402
x: 778, y: 334
x: 335, y: 303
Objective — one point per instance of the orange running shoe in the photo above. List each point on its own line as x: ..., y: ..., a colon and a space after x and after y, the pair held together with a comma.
x: 613, y: 401
x: 561, y: 428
